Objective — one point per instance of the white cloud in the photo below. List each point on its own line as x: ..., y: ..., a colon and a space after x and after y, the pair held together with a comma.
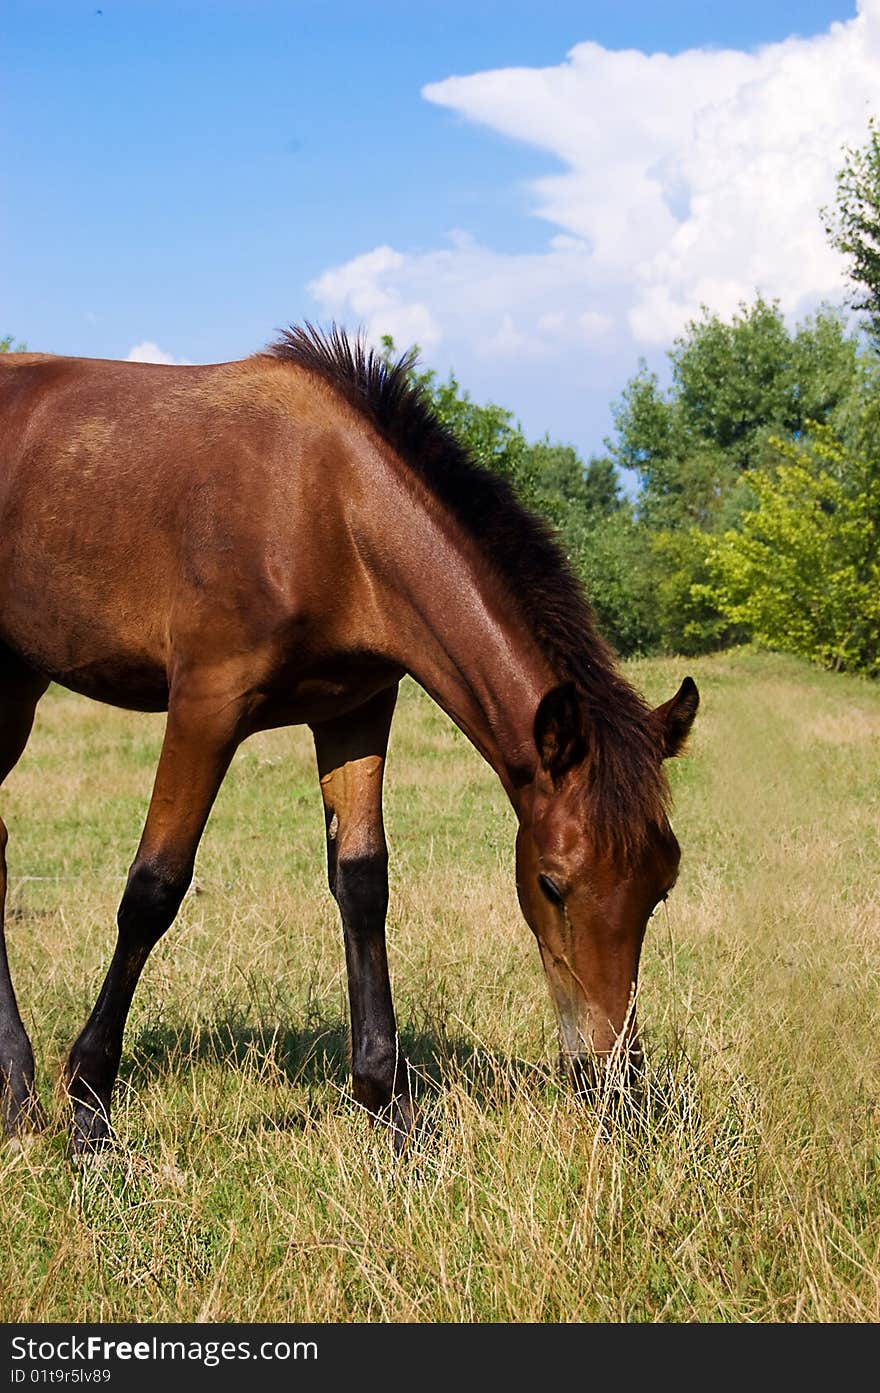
x: 149, y: 352
x: 372, y: 287
x: 685, y: 179
x: 497, y: 302
x: 594, y: 325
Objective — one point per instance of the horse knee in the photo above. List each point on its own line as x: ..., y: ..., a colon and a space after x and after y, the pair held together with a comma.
x: 361, y: 888
x: 151, y: 900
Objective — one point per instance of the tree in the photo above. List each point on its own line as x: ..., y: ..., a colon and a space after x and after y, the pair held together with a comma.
x: 803, y: 573
x: 617, y: 570
x: 601, y: 489
x: 8, y: 345
x: 552, y: 479
x: 853, y: 227
x: 687, y: 614
x: 734, y: 384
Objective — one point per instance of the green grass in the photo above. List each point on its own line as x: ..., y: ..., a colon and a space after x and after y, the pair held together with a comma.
x: 247, y: 1186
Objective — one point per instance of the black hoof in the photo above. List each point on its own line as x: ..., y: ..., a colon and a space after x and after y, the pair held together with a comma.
x: 20, y: 1108
x: 405, y: 1121
x: 399, y: 1116
x: 21, y: 1115
x: 91, y: 1131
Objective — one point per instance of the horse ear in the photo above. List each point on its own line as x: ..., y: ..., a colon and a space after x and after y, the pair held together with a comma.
x: 676, y: 716
x: 559, y: 730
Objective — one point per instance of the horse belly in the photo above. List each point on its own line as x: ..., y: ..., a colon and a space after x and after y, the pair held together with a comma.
x: 129, y: 677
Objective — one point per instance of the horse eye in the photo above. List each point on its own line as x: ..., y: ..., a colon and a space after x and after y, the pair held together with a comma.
x: 551, y: 890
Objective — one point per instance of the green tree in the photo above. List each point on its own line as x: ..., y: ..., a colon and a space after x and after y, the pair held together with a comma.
x: 688, y: 619
x: 803, y: 573
x: 619, y: 576
x: 601, y: 491
x: 853, y: 226
x: 557, y: 471
x: 8, y: 345
x: 734, y: 384
x: 552, y: 478
x: 698, y: 445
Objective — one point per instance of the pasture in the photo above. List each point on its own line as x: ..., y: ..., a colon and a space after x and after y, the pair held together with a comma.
x: 247, y: 1186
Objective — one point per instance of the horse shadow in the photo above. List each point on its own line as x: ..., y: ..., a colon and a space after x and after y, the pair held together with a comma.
x: 314, y: 1057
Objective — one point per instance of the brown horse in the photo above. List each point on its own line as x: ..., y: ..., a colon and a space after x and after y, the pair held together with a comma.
x: 276, y: 541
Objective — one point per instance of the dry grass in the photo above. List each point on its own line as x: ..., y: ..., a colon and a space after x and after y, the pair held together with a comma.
x: 248, y: 1187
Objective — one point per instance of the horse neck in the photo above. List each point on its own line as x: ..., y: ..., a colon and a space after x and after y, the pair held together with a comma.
x: 456, y: 628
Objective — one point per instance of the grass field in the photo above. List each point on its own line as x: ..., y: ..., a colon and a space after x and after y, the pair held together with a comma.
x: 247, y: 1186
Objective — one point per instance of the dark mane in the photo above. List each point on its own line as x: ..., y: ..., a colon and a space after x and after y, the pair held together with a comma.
x: 627, y: 789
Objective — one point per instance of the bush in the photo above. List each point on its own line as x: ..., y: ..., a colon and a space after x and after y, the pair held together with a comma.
x: 803, y: 574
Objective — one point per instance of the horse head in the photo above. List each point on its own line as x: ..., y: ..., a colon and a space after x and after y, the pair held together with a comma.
x: 594, y: 859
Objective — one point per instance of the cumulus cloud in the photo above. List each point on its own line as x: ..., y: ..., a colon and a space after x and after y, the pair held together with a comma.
x: 501, y: 303
x: 382, y: 296
x: 686, y: 179
x: 149, y: 352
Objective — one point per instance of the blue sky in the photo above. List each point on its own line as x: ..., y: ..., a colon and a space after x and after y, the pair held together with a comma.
x: 182, y: 179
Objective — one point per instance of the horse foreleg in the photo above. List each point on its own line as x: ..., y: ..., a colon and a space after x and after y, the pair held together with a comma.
x: 19, y: 1107
x: 201, y: 736
x: 351, y: 759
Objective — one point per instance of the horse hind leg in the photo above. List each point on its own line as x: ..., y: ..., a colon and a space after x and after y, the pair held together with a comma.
x: 201, y: 735
x: 19, y: 1107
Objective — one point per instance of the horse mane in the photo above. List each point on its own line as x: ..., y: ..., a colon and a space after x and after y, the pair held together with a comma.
x: 626, y: 789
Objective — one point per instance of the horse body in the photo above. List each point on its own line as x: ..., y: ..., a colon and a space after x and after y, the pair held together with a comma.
x: 276, y: 541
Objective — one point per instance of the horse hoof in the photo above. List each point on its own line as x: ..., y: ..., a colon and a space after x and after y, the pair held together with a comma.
x: 91, y: 1132
x: 22, y: 1116
x: 407, y: 1124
